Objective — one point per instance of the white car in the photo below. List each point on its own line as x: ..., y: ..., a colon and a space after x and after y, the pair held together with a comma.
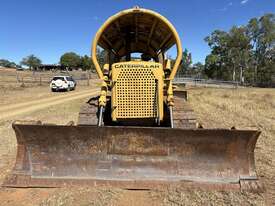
x: 62, y: 83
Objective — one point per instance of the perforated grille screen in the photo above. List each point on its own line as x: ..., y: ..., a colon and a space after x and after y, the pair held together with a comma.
x: 136, y: 93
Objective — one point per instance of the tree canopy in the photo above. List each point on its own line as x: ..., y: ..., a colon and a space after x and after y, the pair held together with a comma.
x: 71, y: 60
x: 245, y: 53
x: 86, y: 63
x: 7, y: 63
x: 75, y: 61
x: 185, y: 63
x: 31, y: 61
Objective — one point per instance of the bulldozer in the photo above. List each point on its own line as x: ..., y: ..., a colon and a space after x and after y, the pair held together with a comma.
x: 139, y: 132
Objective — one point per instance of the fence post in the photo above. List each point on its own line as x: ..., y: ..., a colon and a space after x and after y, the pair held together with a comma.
x: 88, y: 78
x: 22, y: 83
x: 40, y: 80
x: 17, y: 77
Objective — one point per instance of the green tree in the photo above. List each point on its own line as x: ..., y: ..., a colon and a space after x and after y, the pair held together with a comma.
x: 70, y: 60
x: 86, y: 63
x: 261, y: 32
x: 239, y: 52
x: 185, y: 64
x: 101, y: 54
x: 216, y: 63
x: 31, y: 61
x: 198, y: 70
x: 244, y: 53
x: 230, y: 55
x: 7, y: 63
x: 212, y: 66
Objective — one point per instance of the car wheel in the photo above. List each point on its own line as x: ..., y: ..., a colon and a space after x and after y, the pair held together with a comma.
x: 53, y: 90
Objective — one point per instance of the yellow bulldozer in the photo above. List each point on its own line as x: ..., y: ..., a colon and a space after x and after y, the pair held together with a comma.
x: 139, y: 132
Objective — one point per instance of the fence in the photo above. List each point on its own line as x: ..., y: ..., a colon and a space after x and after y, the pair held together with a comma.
x: 11, y: 76
x: 206, y: 82
x: 42, y: 78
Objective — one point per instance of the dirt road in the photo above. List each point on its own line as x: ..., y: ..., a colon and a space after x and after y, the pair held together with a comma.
x: 30, y: 106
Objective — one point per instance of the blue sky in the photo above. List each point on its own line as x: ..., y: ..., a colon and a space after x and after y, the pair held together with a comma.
x: 48, y: 28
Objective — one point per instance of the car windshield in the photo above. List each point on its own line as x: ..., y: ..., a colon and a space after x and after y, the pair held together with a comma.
x: 58, y: 78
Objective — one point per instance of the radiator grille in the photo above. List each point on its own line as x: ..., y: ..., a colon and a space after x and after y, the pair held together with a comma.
x: 136, y: 93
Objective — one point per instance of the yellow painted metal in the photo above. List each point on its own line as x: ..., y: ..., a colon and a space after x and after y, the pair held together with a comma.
x: 168, y: 64
x: 104, y: 87
x: 142, y: 95
x: 103, y: 94
x: 121, y: 16
x: 170, y: 96
x: 137, y: 90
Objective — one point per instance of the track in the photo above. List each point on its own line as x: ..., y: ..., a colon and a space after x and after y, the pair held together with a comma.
x: 34, y: 105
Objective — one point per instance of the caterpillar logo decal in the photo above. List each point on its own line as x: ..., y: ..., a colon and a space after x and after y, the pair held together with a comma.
x: 153, y: 66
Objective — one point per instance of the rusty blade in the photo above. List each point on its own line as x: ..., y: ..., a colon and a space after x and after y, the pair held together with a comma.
x: 135, y: 157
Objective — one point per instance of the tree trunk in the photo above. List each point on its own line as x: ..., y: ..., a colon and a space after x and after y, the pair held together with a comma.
x: 241, y: 75
x: 234, y: 74
x: 255, y: 74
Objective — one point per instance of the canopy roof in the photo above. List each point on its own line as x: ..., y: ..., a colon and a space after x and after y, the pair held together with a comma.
x: 136, y: 30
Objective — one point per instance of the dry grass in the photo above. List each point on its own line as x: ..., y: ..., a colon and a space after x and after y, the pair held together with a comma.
x: 242, y: 108
x: 239, y: 107
x: 82, y: 197
x: 180, y: 196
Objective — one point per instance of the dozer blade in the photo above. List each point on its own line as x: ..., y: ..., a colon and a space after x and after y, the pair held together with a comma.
x: 132, y: 157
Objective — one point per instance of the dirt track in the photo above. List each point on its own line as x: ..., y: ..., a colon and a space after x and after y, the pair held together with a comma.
x: 30, y: 106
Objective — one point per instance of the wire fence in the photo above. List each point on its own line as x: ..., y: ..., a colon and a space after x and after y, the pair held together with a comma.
x: 85, y: 78
x: 43, y: 77
x: 206, y: 82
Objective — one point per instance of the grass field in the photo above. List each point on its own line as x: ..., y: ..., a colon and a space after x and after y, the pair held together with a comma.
x: 242, y: 108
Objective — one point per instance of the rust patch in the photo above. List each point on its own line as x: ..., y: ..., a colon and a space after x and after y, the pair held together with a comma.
x: 133, y: 144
